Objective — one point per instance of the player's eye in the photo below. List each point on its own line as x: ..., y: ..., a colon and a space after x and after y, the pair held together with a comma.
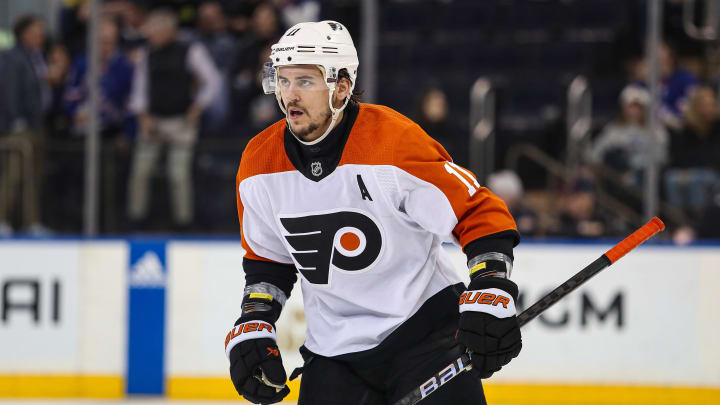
x: 305, y: 83
x: 284, y: 82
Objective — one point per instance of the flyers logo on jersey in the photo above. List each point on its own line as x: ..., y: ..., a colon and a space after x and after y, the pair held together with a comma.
x: 344, y: 240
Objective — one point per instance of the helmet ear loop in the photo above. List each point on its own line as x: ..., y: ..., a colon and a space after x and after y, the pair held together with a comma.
x: 278, y: 97
x: 331, y: 86
x: 336, y: 111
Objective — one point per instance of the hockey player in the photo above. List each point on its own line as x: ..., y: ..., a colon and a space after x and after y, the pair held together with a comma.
x: 356, y: 200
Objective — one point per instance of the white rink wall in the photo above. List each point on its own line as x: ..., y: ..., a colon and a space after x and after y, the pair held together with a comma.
x: 77, y: 317
x: 63, y: 308
x: 661, y: 322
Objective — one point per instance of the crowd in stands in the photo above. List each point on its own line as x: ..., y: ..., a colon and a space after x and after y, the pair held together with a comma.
x: 686, y: 145
x: 169, y: 75
x: 175, y: 79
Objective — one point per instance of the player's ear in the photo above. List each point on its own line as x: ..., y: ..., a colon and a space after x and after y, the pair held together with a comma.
x: 342, y: 90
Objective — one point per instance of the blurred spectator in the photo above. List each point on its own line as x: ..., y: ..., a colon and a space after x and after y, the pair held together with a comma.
x: 74, y: 16
x: 297, y: 11
x: 27, y: 98
x: 695, y: 153
x: 624, y: 144
x: 434, y: 118
x: 115, y: 125
x: 579, y: 216
x: 263, y: 110
x: 212, y: 32
x: 239, y: 16
x: 162, y: 96
x: 57, y: 77
x: 115, y: 83
x: 26, y: 74
x: 129, y: 15
x: 252, y: 53
x: 677, y: 83
x: 507, y: 185
x: 58, y: 65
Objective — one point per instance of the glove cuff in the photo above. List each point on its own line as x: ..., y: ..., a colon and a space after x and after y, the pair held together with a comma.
x: 493, y: 301
x: 246, y: 331
x: 490, y: 264
x: 262, y: 301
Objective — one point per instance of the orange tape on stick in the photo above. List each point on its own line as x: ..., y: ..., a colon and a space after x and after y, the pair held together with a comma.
x: 636, y: 239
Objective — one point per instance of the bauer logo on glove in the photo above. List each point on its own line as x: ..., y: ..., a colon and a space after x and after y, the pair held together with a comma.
x: 492, y: 301
x: 248, y: 330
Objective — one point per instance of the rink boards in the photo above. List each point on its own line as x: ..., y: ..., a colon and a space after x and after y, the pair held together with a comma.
x: 108, y: 318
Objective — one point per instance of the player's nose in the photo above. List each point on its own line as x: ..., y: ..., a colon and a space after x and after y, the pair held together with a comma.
x: 292, y: 94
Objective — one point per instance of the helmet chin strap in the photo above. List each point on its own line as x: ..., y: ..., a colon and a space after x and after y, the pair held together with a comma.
x: 334, y: 111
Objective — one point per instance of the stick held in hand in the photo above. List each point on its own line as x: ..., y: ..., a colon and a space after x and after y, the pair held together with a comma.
x: 611, y: 256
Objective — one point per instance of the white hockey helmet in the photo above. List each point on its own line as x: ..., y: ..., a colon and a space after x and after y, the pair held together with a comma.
x: 326, y: 44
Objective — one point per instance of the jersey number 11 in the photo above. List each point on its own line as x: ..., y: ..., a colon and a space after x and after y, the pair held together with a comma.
x: 461, y: 174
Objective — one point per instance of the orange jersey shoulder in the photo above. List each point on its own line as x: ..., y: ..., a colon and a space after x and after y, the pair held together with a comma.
x: 382, y: 135
x: 265, y: 153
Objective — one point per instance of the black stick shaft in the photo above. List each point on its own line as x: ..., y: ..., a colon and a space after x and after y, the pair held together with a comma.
x: 611, y: 256
x: 563, y: 289
x: 464, y: 361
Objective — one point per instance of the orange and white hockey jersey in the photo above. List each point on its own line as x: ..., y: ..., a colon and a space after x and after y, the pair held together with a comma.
x: 366, y: 238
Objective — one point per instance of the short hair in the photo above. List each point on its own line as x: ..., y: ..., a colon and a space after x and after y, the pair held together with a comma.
x: 23, y: 23
x: 164, y: 16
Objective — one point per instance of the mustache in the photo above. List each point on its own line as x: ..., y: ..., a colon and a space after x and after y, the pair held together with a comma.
x: 295, y: 104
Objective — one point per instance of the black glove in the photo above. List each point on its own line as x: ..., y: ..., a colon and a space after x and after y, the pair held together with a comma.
x: 488, y: 323
x: 256, y: 367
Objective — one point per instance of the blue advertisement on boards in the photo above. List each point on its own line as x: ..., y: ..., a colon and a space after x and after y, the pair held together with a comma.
x: 146, y: 324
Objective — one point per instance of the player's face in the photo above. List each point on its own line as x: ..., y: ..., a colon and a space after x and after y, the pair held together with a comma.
x: 305, y: 95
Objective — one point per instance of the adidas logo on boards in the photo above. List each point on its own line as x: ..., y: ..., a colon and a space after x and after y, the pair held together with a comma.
x: 147, y: 272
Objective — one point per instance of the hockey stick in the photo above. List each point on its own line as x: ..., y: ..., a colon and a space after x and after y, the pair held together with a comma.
x: 464, y: 363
